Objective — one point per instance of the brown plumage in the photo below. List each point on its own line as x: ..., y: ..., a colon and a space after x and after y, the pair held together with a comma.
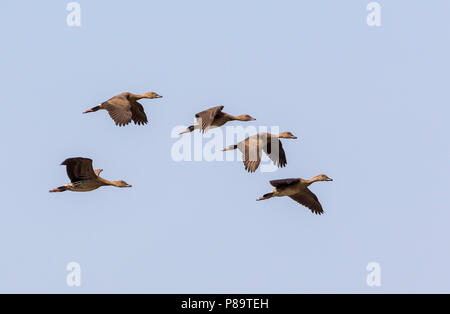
x: 83, y: 177
x: 253, y: 146
x: 214, y: 118
x: 298, y: 190
x: 125, y: 108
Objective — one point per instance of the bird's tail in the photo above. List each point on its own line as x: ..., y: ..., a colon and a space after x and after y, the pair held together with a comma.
x: 97, y: 108
x: 266, y: 197
x: 60, y: 189
x: 188, y: 130
x: 232, y: 147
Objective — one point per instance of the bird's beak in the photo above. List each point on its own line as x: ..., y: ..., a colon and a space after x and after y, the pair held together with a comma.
x: 253, y: 119
x: 88, y: 111
x: 294, y: 137
x: 159, y: 96
x: 329, y: 179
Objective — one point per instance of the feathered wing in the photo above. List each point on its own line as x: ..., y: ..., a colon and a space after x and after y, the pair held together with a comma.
x: 274, y: 149
x: 251, y: 153
x: 206, y: 118
x: 138, y: 114
x: 309, y: 200
x: 284, y: 182
x: 79, y: 169
x: 251, y: 166
x: 119, y: 108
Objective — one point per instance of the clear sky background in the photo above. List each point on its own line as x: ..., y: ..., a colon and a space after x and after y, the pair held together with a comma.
x: 370, y: 107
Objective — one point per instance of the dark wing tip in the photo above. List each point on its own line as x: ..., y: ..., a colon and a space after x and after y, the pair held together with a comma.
x: 251, y: 166
x: 69, y: 161
x: 316, y: 210
x: 122, y: 124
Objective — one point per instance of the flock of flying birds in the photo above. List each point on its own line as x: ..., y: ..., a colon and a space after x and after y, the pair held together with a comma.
x: 125, y: 108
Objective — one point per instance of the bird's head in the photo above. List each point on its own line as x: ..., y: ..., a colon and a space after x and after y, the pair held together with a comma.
x: 322, y: 177
x: 152, y: 95
x: 123, y: 184
x: 288, y: 135
x: 245, y: 117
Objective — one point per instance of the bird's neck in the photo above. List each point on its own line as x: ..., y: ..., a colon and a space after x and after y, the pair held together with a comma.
x: 313, y: 180
x: 238, y: 118
x: 146, y: 95
x: 107, y: 182
x: 138, y: 97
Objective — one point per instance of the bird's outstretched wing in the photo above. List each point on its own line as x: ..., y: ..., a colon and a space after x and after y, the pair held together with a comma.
x: 206, y: 118
x: 274, y: 149
x: 138, y: 114
x: 251, y: 153
x: 119, y: 108
x: 79, y: 169
x: 252, y: 165
x: 309, y: 200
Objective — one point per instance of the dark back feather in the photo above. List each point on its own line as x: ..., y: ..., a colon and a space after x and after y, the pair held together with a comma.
x: 207, y: 117
x: 284, y: 182
x: 79, y: 169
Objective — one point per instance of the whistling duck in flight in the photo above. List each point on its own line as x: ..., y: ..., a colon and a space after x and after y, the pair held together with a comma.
x: 253, y: 146
x: 124, y: 108
x: 214, y: 118
x: 83, y: 177
x: 298, y: 190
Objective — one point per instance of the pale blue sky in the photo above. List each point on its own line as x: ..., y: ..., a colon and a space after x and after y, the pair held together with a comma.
x: 370, y: 106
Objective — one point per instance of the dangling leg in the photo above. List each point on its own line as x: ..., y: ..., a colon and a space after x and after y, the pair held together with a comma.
x: 60, y: 189
x: 188, y: 130
x: 232, y: 147
x: 93, y: 109
x: 266, y: 197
